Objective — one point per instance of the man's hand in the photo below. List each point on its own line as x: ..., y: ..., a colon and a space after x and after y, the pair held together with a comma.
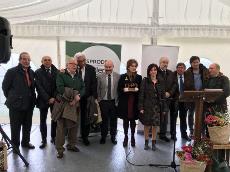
x: 51, y: 100
x: 167, y: 94
x: 142, y: 111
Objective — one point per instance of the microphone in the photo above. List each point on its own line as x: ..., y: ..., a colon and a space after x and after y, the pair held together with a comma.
x: 5, y: 40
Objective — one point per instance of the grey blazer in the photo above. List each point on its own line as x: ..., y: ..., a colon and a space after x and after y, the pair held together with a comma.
x: 102, y: 86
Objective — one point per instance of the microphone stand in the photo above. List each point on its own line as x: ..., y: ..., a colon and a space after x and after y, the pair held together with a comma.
x: 10, y: 144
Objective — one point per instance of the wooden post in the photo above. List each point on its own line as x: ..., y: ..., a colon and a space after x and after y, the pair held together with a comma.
x: 198, y: 117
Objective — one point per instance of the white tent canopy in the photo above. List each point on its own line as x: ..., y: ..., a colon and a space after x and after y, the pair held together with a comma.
x: 118, y: 18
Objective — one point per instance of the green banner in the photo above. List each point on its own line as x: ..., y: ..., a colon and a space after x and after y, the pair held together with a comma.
x: 96, y: 53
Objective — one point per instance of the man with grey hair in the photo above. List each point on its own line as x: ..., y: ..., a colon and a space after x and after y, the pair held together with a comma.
x: 108, y: 100
x: 166, y: 77
x: 218, y: 81
x: 88, y: 75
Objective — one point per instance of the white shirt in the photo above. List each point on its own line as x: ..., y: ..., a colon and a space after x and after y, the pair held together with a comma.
x: 83, y: 73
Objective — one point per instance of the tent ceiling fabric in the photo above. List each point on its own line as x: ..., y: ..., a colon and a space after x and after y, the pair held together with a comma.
x: 208, y: 18
x: 18, y: 11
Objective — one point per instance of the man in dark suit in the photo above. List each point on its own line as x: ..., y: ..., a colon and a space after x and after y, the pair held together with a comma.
x: 19, y: 89
x: 88, y: 75
x: 166, y: 77
x: 45, y: 78
x: 108, y: 100
x: 180, y: 106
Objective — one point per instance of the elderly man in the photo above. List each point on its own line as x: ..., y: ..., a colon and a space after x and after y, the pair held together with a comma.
x: 45, y: 78
x: 19, y: 89
x: 88, y: 75
x: 218, y: 81
x: 169, y: 83
x: 108, y: 99
x: 68, y: 80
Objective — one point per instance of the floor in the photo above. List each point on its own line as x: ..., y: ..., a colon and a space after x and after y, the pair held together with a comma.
x: 96, y: 157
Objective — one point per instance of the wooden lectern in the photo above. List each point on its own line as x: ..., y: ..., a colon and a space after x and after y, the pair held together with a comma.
x: 199, y: 97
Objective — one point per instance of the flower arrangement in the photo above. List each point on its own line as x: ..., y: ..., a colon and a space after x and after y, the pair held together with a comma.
x: 218, y: 126
x: 200, y: 150
x: 215, y: 118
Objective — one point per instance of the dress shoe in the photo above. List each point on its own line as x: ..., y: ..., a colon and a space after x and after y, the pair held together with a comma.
x: 186, y: 138
x: 166, y: 139
x: 73, y: 148
x: 114, y: 140
x: 28, y: 145
x: 60, y: 155
x: 43, y: 145
x: 102, y: 141
x: 52, y: 141
x: 86, y: 142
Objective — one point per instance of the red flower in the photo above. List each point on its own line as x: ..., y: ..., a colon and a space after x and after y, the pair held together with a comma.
x: 187, y: 148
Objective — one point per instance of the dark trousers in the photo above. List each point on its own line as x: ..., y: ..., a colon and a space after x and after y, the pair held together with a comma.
x: 43, y: 125
x: 18, y: 119
x: 181, y: 109
x: 173, y: 117
x: 85, y: 125
x: 108, y: 114
x: 164, y: 119
x: 132, y: 123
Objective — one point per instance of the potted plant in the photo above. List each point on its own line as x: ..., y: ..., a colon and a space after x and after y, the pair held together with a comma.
x: 218, y: 126
x: 195, y: 157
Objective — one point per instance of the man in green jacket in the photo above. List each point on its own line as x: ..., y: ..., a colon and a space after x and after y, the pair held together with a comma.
x: 68, y: 79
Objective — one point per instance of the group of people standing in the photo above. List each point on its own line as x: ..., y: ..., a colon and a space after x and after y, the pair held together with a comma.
x: 73, y: 93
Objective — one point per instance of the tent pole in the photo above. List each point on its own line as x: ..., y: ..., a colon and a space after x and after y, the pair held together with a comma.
x: 58, y: 52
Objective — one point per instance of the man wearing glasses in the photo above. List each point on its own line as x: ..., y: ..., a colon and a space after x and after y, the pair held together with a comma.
x: 71, y: 87
x: 19, y: 89
x: 45, y: 78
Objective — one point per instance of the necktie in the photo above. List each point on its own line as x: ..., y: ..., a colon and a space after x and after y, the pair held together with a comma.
x: 165, y: 75
x: 48, y: 72
x: 27, y: 78
x: 181, y: 85
x: 109, y: 88
x: 80, y: 73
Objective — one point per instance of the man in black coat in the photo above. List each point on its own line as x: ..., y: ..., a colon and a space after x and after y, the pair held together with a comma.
x: 218, y: 81
x: 88, y: 75
x: 19, y: 89
x: 167, y: 79
x: 45, y: 78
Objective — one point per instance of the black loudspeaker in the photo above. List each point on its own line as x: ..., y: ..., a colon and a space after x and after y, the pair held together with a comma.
x: 5, y: 40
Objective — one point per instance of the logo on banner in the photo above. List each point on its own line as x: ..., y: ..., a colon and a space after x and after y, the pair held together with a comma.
x: 98, y: 54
